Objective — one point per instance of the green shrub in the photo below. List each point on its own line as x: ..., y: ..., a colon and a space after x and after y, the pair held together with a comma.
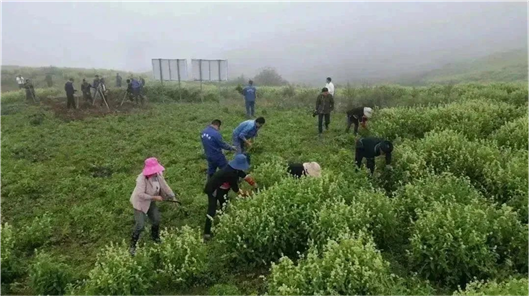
x: 181, y: 259
x: 351, y: 267
x: 275, y: 222
x: 8, y: 256
x: 512, y: 286
x: 453, y: 243
x: 48, y: 276
x: 224, y: 289
x: 270, y: 173
x: 365, y: 210
x: 36, y: 234
x: 513, y: 134
x: 421, y: 194
x: 118, y: 273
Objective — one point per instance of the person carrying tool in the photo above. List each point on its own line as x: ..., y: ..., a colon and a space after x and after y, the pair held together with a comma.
x: 85, y: 89
x: 357, y: 116
x: 68, y: 87
x: 118, y: 80
x: 150, y: 187
x: 136, y: 90
x: 330, y: 86
x: 20, y: 81
x: 311, y: 169
x: 249, y: 93
x: 324, y: 106
x: 219, y: 185
x: 30, y: 91
x: 243, y: 133
x: 213, y: 144
x: 370, y: 148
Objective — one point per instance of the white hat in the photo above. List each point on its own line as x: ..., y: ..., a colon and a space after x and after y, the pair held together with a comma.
x: 312, y: 169
x: 368, y: 112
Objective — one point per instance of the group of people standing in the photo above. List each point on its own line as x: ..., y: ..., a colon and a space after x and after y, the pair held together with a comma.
x: 98, y: 86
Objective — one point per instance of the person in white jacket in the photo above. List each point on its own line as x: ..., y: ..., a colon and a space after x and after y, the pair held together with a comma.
x: 20, y: 81
x: 330, y: 86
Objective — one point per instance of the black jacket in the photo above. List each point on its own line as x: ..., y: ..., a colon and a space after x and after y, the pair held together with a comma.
x: 358, y: 113
x: 68, y: 87
x: 296, y: 169
x: 225, y: 175
x: 369, y: 148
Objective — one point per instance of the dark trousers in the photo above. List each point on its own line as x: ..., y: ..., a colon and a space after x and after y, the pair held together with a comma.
x: 220, y: 196
x: 137, y: 95
x: 359, y: 156
x: 250, y: 108
x: 71, y: 101
x: 216, y: 163
x: 87, y: 96
x: 139, y: 218
x: 351, y: 120
x: 320, y: 122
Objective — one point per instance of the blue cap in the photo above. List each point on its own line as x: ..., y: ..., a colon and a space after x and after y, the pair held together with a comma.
x: 240, y: 162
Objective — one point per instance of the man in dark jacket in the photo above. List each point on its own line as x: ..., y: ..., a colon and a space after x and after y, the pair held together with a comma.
x: 218, y: 185
x: 129, y: 91
x: 30, y: 91
x: 370, y: 148
x: 118, y: 80
x: 324, y: 106
x: 68, y: 87
x: 49, y: 80
x: 213, y: 144
x: 358, y: 116
x: 85, y: 88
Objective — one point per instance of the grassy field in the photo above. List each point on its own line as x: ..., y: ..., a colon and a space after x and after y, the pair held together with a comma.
x: 453, y: 210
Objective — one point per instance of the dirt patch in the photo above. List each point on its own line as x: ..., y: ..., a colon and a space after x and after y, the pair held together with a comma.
x: 87, y: 109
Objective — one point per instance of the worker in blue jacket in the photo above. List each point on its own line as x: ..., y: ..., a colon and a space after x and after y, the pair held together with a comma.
x: 249, y: 93
x: 244, y: 132
x: 213, y: 144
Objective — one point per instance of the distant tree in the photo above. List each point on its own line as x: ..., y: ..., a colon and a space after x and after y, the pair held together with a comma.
x: 270, y: 77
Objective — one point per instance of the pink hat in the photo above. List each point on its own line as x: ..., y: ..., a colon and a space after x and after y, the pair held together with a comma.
x: 152, y: 167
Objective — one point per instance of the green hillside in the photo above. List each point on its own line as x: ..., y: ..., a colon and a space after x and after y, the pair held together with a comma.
x: 499, y: 67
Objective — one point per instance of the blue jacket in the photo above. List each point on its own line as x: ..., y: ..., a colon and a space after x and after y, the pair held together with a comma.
x: 249, y: 93
x: 246, y: 130
x: 213, y: 143
x: 135, y: 84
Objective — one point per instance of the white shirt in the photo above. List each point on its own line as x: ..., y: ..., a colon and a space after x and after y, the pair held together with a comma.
x: 330, y: 87
x: 20, y: 80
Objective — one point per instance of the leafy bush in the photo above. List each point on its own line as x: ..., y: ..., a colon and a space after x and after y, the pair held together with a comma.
x: 8, y: 256
x: 37, y: 233
x: 118, y: 273
x: 365, y: 210
x: 275, y: 222
x: 181, y: 258
x: 512, y: 286
x: 451, y: 243
x: 224, y: 289
x: 421, y: 194
x: 351, y: 267
x: 48, y: 276
x: 513, y: 134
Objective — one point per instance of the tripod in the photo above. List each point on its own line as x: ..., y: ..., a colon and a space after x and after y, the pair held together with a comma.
x: 100, y: 90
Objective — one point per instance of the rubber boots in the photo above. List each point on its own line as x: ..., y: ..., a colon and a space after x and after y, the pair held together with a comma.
x: 155, y: 233
x: 134, y: 240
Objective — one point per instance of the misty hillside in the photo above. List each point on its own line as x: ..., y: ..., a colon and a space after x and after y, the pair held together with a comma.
x: 507, y: 66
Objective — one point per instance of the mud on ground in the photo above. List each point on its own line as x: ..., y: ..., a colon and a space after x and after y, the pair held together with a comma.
x: 87, y: 109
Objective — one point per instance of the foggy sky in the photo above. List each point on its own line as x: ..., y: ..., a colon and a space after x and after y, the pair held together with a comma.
x: 303, y: 41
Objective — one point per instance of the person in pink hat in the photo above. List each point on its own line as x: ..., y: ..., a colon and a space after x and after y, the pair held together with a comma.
x: 150, y: 187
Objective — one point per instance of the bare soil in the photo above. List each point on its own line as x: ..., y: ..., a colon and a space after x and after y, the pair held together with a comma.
x: 87, y: 109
